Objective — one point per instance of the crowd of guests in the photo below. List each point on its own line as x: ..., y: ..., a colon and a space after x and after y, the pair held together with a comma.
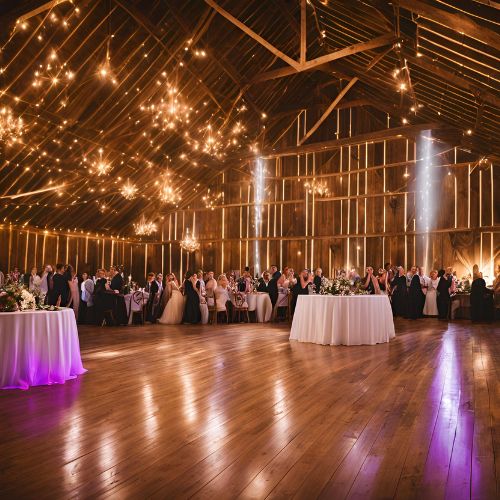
x: 413, y: 294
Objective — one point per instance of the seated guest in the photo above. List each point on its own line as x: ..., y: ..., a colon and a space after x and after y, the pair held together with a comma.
x: 318, y: 274
x: 159, y: 280
x: 59, y: 291
x: 443, y: 291
x: 222, y: 299
x: 152, y: 288
x: 301, y: 287
x: 86, y: 302
x: 192, y: 313
x: 481, y: 300
x: 354, y: 275
x: 116, y: 280
x: 399, y: 293
x: 370, y: 282
x: 15, y: 275
x: 2, y: 279
x: 416, y: 297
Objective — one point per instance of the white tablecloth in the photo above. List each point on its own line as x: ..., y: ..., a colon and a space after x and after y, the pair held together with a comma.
x: 349, y: 320
x: 260, y: 303
x: 137, y: 302
x: 38, y: 348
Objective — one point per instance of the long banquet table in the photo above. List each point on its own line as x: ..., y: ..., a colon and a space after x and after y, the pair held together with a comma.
x: 347, y: 320
x: 38, y: 348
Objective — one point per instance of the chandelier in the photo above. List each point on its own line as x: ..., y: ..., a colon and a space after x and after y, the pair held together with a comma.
x: 317, y: 188
x: 167, y: 193
x: 10, y: 126
x: 144, y: 227
x: 128, y: 190
x: 211, y: 200
x: 189, y: 243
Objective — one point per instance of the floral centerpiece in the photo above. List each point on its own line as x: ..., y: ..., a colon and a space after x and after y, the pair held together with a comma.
x: 340, y: 286
x: 14, y: 297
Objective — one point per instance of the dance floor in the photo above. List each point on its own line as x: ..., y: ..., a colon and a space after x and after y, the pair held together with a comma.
x: 238, y: 410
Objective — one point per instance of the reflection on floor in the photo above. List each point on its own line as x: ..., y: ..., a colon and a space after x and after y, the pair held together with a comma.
x: 178, y: 411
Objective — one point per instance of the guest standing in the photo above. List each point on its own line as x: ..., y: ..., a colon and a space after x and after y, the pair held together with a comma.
x: 222, y: 299
x: 301, y: 287
x: 481, y: 300
x: 399, y: 293
x: 86, y: 302
x: 152, y: 288
x: 116, y: 280
x: 192, y: 312
x: 416, y: 297
x: 318, y: 275
x: 59, y: 292
x: 74, y: 294
x: 443, y: 294
x: 370, y: 282
x: 430, y: 306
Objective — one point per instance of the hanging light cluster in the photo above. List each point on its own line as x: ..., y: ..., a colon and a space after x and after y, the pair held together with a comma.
x: 11, y: 127
x: 144, y: 227
x: 167, y: 192
x: 317, y: 188
x: 189, y: 243
x: 211, y: 200
x: 128, y: 190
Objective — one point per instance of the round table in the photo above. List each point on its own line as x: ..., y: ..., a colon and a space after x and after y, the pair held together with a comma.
x: 347, y: 320
x: 38, y: 348
x: 260, y: 302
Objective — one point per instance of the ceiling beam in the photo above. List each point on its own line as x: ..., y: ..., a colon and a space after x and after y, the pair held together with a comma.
x: 328, y: 111
x: 457, y: 21
x: 303, y: 31
x: 376, y: 136
x: 243, y: 27
x: 447, y: 76
x: 380, y: 41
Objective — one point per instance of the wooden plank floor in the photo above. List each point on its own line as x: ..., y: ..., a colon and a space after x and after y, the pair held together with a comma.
x: 239, y: 411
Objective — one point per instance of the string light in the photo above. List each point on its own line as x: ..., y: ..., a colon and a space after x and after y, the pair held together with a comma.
x: 317, y: 188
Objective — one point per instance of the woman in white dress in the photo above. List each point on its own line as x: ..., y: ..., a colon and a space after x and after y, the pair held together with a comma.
x: 200, y: 287
x: 221, y: 294
x: 430, y: 307
x: 174, y: 310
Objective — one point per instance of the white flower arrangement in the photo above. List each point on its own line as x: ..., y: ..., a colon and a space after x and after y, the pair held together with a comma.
x: 27, y: 301
x: 340, y: 286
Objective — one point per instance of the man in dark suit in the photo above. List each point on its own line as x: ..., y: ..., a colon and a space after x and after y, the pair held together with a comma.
x: 116, y: 280
x: 264, y: 283
x: 59, y: 292
x: 152, y: 288
x: 275, y: 273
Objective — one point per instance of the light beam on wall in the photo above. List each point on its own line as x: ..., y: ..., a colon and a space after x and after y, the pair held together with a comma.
x: 259, y: 187
x: 425, y: 210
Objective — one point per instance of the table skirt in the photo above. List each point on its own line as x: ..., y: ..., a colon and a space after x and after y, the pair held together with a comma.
x: 349, y: 320
x: 38, y: 348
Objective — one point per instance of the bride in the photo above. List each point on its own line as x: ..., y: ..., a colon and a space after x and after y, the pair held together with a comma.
x: 174, y: 310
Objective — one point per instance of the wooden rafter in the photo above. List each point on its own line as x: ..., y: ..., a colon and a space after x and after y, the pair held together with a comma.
x: 303, y: 31
x: 454, y: 20
x: 252, y: 34
x: 317, y: 63
x: 328, y: 111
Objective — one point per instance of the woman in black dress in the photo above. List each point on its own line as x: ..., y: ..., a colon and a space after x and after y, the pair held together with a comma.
x: 481, y: 300
x: 192, y: 312
x: 416, y: 298
x: 443, y: 292
x: 399, y: 293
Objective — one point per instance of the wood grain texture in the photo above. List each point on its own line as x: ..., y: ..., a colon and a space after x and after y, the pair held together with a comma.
x: 239, y: 411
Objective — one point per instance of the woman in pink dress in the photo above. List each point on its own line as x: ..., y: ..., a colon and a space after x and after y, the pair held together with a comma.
x: 74, y: 295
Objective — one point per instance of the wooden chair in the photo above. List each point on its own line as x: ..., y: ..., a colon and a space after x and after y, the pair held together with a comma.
x: 240, y: 308
x: 138, y: 299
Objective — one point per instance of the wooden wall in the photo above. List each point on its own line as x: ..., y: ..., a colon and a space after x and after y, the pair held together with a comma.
x: 370, y: 216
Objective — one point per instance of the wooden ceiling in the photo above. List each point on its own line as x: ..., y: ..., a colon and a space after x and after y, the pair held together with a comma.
x: 236, y: 64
